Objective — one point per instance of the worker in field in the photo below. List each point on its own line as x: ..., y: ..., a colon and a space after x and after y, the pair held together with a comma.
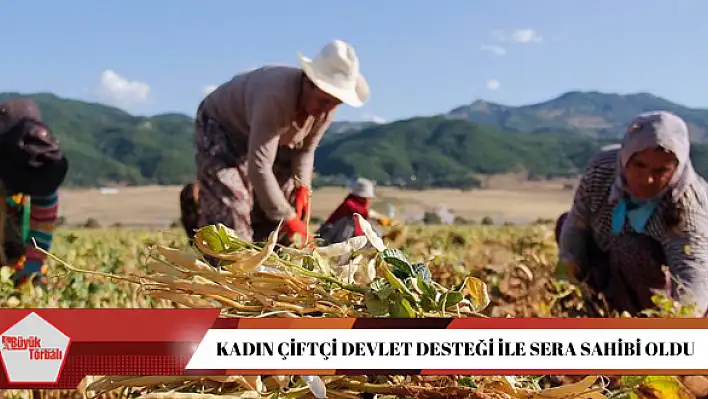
x: 32, y: 167
x: 189, y: 208
x: 636, y: 209
x: 341, y: 224
x: 256, y: 137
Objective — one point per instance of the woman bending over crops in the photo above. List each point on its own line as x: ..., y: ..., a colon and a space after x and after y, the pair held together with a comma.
x: 341, y: 224
x: 256, y: 137
x: 32, y: 168
x: 635, y: 210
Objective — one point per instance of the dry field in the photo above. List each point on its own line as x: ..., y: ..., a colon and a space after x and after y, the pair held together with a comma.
x: 158, y: 206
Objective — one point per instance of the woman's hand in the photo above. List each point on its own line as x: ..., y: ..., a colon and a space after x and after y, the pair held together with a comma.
x: 302, y: 201
x: 296, y: 231
x: 569, y: 271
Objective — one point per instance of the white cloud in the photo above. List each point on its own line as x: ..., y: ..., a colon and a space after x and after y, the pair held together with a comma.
x: 521, y: 36
x: 492, y: 84
x: 122, y: 91
x: 494, y: 49
x: 373, y: 118
x: 206, y: 90
x: 526, y: 36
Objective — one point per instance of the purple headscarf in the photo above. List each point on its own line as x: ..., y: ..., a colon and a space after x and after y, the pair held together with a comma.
x: 651, y: 130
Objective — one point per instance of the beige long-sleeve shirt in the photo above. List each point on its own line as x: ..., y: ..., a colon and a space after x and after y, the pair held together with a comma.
x: 262, y: 105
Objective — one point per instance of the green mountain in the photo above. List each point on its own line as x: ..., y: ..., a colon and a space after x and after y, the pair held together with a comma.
x: 437, y: 151
x: 347, y: 127
x: 444, y: 152
x: 107, y: 145
x: 590, y: 114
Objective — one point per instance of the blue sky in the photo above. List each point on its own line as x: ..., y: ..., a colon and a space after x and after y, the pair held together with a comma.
x: 158, y: 56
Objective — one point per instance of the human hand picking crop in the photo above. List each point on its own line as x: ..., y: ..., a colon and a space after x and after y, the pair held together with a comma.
x: 296, y: 231
x: 302, y: 201
x: 568, y: 271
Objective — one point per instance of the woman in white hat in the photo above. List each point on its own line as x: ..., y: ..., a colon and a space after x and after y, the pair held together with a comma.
x: 256, y: 136
x: 341, y: 225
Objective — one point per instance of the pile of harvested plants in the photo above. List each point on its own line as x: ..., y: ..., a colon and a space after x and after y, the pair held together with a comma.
x: 360, y: 277
x: 357, y: 278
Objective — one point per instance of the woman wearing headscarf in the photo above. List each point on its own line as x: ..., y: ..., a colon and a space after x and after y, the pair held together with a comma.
x: 341, y: 225
x: 256, y: 137
x: 32, y: 168
x: 636, y: 209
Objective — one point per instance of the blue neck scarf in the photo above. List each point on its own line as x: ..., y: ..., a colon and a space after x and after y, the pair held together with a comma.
x: 636, y: 212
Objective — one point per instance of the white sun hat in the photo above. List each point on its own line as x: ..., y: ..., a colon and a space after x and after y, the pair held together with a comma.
x: 335, y: 70
x: 363, y: 188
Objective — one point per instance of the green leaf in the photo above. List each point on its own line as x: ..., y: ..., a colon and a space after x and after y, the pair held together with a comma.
x: 224, y: 237
x: 395, y: 282
x: 450, y: 298
x: 308, y: 263
x: 381, y: 288
x: 428, y: 304
x: 467, y: 382
x: 385, y: 292
x: 687, y: 310
x: 631, y: 381
x: 427, y: 289
x: 375, y: 305
x: 211, y: 236
x: 398, y: 260
x: 666, y: 387
x: 378, y: 283
x: 401, y: 308
x: 423, y: 272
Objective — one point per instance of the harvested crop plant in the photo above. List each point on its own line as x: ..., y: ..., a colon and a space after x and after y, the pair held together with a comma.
x: 357, y: 278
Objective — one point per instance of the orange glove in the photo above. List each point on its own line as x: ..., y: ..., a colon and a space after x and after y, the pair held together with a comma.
x: 296, y: 227
x: 302, y: 201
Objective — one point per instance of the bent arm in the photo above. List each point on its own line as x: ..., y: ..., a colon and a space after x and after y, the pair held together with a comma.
x: 687, y: 258
x: 575, y: 232
x: 356, y: 207
x: 303, y: 162
x: 263, y: 142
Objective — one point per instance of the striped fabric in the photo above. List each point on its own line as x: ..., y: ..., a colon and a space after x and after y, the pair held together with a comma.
x: 685, y: 247
x: 43, y: 217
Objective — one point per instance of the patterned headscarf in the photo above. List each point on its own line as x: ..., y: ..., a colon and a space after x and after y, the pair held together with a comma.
x: 657, y: 129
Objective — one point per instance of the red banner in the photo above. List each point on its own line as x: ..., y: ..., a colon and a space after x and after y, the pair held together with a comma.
x: 57, y: 348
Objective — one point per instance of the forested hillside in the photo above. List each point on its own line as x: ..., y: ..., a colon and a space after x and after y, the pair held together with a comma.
x: 107, y: 145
